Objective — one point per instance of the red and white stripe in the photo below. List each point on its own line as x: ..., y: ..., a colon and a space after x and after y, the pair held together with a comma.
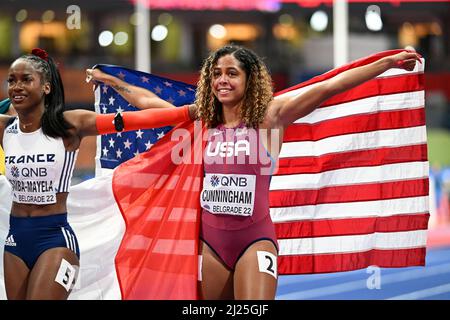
x: 351, y: 188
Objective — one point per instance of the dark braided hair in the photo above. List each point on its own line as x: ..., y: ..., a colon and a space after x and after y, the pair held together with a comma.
x: 258, y: 93
x: 52, y: 121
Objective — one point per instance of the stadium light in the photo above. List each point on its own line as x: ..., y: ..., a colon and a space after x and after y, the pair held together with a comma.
x: 105, y: 38
x: 21, y: 15
x: 319, y: 21
x: 121, y: 38
x: 159, y: 32
x: 218, y: 31
x: 373, y: 18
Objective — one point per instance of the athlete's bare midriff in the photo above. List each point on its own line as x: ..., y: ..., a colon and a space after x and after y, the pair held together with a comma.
x: 36, y: 210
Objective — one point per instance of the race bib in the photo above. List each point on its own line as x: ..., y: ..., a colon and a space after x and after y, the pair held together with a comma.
x: 33, y: 183
x: 232, y: 194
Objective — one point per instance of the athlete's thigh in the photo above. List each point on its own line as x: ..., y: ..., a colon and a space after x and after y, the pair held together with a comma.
x: 16, y: 276
x: 255, y: 275
x: 217, y: 279
x: 53, y: 274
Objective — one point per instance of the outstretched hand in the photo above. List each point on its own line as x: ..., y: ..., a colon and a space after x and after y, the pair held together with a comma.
x: 405, y: 60
x: 94, y: 75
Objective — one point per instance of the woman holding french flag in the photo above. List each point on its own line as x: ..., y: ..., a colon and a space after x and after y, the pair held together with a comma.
x: 41, y: 253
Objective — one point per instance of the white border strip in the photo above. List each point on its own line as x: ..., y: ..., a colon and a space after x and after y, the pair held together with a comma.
x: 398, y: 101
x: 353, y: 243
x: 351, y: 176
x: 355, y: 141
x: 363, y: 209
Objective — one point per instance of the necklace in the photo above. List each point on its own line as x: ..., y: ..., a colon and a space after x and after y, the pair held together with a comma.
x: 25, y: 125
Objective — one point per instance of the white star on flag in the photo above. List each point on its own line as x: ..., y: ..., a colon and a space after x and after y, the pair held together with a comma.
x: 136, y: 153
x: 148, y: 145
x: 105, y: 89
x: 111, y: 142
x: 182, y: 93
x: 119, y: 153
x: 139, y: 133
x: 160, y: 135
x: 105, y: 109
x: 105, y: 151
x: 144, y: 79
x: 167, y: 84
x: 158, y: 90
x: 127, y: 144
x: 111, y: 100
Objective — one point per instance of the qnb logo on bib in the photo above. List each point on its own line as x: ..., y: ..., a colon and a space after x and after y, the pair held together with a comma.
x: 15, y: 171
x: 228, y: 149
x: 228, y: 181
x: 215, y: 180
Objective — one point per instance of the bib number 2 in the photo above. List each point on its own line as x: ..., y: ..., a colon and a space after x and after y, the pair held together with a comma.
x: 267, y: 263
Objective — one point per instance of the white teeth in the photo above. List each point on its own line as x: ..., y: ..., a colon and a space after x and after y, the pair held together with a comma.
x: 18, y: 98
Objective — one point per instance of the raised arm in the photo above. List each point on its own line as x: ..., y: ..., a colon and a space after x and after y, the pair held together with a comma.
x: 137, y: 96
x: 285, y: 111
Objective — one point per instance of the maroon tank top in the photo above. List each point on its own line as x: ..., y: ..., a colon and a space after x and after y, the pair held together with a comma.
x: 236, y: 179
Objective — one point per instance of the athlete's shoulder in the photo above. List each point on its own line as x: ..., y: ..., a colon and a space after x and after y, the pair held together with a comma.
x: 5, y: 121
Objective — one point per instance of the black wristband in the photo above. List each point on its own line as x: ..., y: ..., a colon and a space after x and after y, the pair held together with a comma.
x: 118, y: 122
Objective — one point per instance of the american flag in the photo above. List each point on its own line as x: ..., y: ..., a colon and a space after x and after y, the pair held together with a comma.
x: 119, y: 147
x: 350, y: 191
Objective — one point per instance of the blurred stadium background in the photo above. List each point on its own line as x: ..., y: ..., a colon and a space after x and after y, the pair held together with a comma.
x: 294, y: 36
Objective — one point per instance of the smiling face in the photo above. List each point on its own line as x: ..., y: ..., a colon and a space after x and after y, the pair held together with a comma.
x: 229, y: 81
x: 26, y: 88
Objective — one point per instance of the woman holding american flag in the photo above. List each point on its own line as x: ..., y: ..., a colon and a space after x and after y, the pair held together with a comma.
x: 234, y: 100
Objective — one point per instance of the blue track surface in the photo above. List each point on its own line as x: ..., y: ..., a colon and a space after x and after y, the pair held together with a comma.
x: 415, y: 283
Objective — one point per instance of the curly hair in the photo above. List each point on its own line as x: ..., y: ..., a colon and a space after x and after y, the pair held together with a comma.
x: 258, y: 93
